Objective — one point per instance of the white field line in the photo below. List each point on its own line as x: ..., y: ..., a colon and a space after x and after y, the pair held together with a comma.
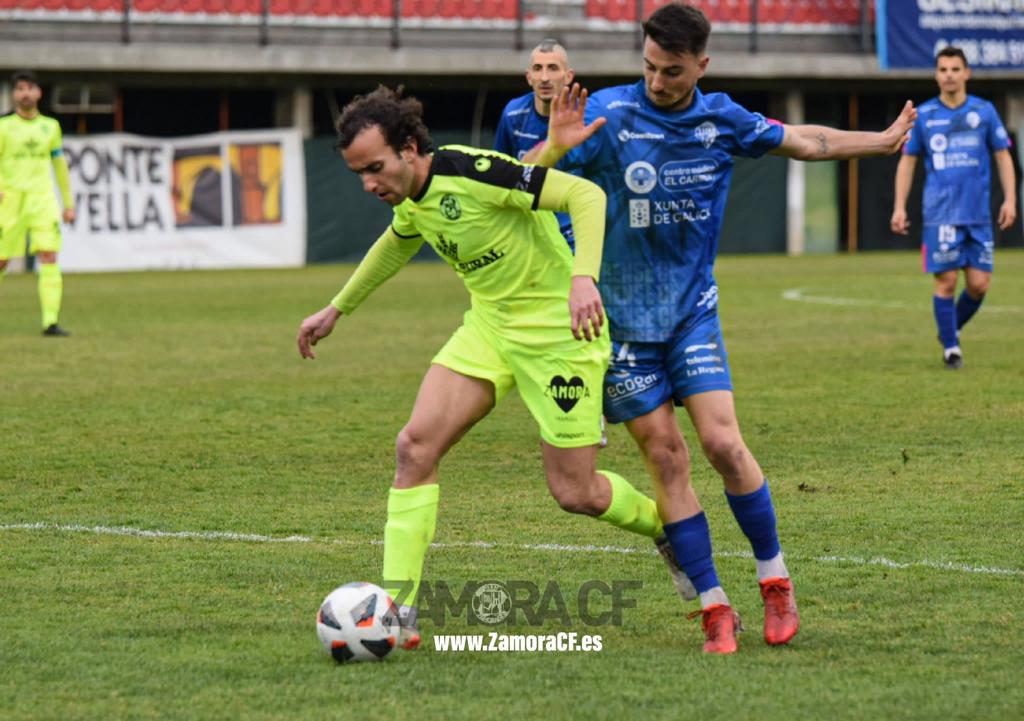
x: 799, y: 295
x: 552, y: 547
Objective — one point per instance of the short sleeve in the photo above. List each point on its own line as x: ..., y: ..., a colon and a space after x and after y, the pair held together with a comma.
x: 997, y: 137
x: 915, y: 145
x: 753, y: 134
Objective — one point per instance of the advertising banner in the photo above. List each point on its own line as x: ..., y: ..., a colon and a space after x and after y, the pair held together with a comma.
x: 226, y: 200
x: 911, y: 32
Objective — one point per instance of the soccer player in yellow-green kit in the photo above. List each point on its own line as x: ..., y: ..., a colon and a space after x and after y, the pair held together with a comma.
x: 30, y: 143
x: 536, y: 320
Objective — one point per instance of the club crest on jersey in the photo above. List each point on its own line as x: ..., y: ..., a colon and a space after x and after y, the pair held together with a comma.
x: 973, y: 119
x: 567, y: 393
x: 706, y: 133
x: 450, y: 207
x: 641, y: 177
x: 447, y: 249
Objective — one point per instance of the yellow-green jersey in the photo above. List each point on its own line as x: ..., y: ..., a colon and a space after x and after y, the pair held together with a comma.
x: 28, y: 149
x: 478, y: 210
x: 481, y: 212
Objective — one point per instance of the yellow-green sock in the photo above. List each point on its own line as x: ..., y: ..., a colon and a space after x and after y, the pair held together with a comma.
x: 412, y: 516
x: 630, y: 509
x: 51, y: 290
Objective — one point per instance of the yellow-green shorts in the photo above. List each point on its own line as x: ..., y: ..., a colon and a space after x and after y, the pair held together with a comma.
x: 34, y: 213
x: 559, y: 378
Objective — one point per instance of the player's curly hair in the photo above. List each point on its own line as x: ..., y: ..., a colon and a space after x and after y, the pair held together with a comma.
x: 678, y: 28
x: 399, y: 117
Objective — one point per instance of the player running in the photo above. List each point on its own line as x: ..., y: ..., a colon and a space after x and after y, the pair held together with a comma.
x: 956, y: 133
x: 30, y: 143
x: 533, y: 303
x: 662, y: 150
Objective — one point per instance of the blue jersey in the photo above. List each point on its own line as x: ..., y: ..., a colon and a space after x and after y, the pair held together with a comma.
x: 521, y: 128
x: 957, y: 144
x: 667, y: 176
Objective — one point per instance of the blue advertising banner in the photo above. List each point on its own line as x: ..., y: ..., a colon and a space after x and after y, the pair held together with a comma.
x: 911, y: 32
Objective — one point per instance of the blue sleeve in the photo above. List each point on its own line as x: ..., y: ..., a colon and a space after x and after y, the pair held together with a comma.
x: 503, y: 137
x: 997, y: 137
x: 753, y: 134
x: 915, y: 146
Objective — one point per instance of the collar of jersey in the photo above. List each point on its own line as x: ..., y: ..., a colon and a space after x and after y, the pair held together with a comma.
x: 426, y: 183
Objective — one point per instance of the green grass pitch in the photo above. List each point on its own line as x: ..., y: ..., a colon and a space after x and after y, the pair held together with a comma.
x: 181, y: 405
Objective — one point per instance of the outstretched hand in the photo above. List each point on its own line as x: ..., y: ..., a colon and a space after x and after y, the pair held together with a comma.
x: 566, y: 128
x: 585, y: 308
x: 315, y: 327
x: 899, y: 132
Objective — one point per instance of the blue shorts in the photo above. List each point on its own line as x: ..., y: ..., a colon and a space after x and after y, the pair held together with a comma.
x: 951, y: 247
x: 642, y: 376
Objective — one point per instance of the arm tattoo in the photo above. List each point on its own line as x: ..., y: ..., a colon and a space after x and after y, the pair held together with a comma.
x: 822, y: 144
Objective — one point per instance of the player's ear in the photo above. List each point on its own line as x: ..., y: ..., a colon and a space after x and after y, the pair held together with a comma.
x: 570, y: 75
x: 410, y: 150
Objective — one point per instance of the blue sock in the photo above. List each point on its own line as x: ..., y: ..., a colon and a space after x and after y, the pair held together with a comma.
x: 691, y: 540
x: 756, y: 516
x: 966, y: 307
x: 945, y: 319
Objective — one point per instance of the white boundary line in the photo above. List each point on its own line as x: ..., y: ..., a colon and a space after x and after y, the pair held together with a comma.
x: 553, y: 547
x: 799, y: 295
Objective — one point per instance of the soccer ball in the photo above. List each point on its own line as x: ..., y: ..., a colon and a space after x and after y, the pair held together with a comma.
x: 358, y: 622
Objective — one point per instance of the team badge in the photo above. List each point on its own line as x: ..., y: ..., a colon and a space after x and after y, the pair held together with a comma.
x: 973, y: 119
x: 450, y: 207
x: 482, y: 165
x: 567, y: 393
x: 706, y: 133
x: 641, y: 177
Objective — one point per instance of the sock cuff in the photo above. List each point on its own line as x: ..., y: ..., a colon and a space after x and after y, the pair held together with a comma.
x: 619, y: 499
x: 747, y: 498
x: 698, y: 521
x: 408, y: 499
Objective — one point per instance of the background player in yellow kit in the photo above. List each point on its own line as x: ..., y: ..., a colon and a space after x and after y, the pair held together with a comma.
x: 29, y: 144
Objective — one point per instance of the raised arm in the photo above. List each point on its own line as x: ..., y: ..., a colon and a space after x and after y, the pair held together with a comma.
x: 383, y: 260
x: 566, y: 127
x: 904, y: 179
x: 818, y: 142
x: 1008, y: 210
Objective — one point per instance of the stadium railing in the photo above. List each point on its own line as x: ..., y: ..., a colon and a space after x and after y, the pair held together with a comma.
x: 751, y: 18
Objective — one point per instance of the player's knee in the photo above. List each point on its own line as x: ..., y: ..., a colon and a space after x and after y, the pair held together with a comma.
x: 412, y: 451
x: 666, y: 453
x: 725, y: 451
x: 574, y: 495
x: 977, y: 288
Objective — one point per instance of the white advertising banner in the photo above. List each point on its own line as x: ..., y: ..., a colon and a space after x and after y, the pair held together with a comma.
x: 225, y: 200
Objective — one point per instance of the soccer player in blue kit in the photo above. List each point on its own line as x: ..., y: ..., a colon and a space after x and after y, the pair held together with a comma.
x: 662, y: 151
x: 524, y: 121
x: 956, y: 133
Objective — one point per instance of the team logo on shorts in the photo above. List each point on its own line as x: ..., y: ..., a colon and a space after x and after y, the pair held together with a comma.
x: 450, y: 207
x: 567, y: 393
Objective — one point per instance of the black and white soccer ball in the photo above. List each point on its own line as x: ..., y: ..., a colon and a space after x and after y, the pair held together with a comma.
x: 358, y: 622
